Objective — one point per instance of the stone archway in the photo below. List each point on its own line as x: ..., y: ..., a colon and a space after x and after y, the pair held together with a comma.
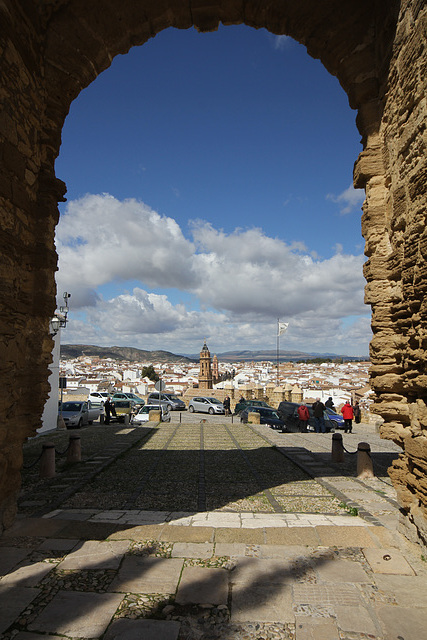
x: 49, y: 51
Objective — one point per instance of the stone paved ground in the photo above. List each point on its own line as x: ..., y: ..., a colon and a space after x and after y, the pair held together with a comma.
x: 206, y: 530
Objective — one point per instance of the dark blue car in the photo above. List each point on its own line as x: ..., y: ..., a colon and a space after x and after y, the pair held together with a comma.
x: 336, y: 420
x: 267, y: 416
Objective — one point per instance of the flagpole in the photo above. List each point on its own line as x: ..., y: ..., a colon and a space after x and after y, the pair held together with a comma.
x: 277, y: 355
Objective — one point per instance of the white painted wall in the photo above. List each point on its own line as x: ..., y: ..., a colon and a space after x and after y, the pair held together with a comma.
x: 50, y: 413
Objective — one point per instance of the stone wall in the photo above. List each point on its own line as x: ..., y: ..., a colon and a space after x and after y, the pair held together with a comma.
x: 394, y: 225
x: 51, y: 50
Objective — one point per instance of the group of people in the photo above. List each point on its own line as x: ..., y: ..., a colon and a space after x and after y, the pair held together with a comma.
x: 348, y: 412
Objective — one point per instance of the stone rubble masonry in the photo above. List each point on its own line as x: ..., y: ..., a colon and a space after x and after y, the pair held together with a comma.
x: 50, y: 51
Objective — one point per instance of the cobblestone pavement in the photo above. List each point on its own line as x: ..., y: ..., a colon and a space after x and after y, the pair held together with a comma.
x: 209, y: 529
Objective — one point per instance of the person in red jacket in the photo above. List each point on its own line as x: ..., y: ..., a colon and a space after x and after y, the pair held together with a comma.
x: 303, y: 416
x: 347, y: 414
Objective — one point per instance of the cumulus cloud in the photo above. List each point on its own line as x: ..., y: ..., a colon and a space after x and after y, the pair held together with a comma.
x: 240, y: 282
x: 100, y: 239
x: 348, y: 200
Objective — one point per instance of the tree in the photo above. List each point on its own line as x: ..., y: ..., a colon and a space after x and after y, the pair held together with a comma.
x: 149, y: 372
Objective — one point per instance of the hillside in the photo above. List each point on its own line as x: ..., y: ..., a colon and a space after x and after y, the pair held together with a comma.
x: 129, y: 354
x: 271, y: 356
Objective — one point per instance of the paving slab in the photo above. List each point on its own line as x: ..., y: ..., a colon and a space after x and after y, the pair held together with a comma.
x: 246, y: 536
x: 408, y: 591
x: 288, y: 552
x: 341, y: 571
x: 382, y: 537
x: 262, y: 603
x: 402, y: 623
x: 34, y: 527
x: 85, y: 530
x: 93, y: 554
x: 177, y: 533
x: 389, y: 561
x: 292, y: 536
x: 77, y: 516
x: 260, y: 571
x: 312, y: 628
x: 13, y: 601
x: 139, y: 532
x: 10, y: 557
x: 345, y: 536
x: 355, y: 619
x: 201, y: 550
x: 148, y: 575
x: 28, y: 575
x: 28, y: 635
x: 200, y: 585
x: 125, y: 629
x: 230, y: 549
x: 58, y: 544
x: 77, y: 615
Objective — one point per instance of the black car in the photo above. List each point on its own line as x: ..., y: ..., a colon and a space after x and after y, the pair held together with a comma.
x: 267, y: 416
x: 244, y: 404
x: 288, y: 413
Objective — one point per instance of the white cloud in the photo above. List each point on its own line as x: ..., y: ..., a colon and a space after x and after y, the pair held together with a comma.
x: 100, y: 239
x: 281, y: 42
x: 243, y: 281
x: 348, y: 200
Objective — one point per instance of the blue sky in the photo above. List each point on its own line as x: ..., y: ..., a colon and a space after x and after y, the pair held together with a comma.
x: 209, y: 193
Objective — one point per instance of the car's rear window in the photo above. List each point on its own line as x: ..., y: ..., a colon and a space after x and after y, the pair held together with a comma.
x: 71, y: 406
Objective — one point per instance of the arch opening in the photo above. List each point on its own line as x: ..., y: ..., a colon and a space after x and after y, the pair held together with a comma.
x: 244, y: 147
x: 378, y: 52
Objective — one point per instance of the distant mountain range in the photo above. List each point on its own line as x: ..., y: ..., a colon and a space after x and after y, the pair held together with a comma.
x: 271, y: 355
x: 131, y: 354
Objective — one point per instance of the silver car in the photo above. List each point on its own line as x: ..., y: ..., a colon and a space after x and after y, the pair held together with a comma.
x: 205, y: 405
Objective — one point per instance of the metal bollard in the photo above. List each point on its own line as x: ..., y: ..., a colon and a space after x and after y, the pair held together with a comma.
x: 47, y: 461
x: 365, y: 468
x: 337, y: 454
x: 102, y: 418
x: 74, y: 453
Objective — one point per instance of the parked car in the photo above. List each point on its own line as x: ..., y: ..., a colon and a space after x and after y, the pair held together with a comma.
x: 143, y: 414
x: 267, y: 415
x: 78, y: 413
x: 137, y: 401
x: 336, y: 419
x: 174, y: 403
x: 206, y: 405
x: 288, y: 413
x: 98, y: 396
x: 124, y: 410
x: 243, y: 404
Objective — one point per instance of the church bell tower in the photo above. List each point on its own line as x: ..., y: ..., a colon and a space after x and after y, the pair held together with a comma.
x: 205, y: 375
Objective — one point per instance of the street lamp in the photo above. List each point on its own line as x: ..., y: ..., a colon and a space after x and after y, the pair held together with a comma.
x: 60, y: 319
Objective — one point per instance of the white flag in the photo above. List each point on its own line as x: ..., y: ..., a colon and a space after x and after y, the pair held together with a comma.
x: 281, y: 327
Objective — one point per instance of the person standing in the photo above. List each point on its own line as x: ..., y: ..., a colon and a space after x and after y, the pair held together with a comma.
x: 108, y: 410
x: 347, y: 414
x: 226, y: 404
x: 303, y: 416
x: 330, y: 404
x: 357, y: 412
x: 319, y: 418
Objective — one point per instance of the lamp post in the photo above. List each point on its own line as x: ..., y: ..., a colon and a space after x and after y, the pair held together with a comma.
x: 57, y: 322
